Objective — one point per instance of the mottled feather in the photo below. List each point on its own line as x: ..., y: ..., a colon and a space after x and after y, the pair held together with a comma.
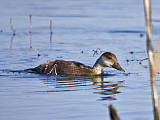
x: 61, y: 67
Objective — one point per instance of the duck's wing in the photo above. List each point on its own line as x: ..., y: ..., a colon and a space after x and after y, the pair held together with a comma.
x: 77, y: 68
x: 61, y: 67
x: 45, y: 68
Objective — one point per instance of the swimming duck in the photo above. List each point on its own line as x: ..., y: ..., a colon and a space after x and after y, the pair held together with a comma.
x: 61, y: 67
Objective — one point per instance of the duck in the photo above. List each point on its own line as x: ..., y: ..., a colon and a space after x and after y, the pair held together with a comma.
x: 62, y: 67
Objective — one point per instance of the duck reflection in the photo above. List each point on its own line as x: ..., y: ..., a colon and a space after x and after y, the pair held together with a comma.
x: 105, y: 89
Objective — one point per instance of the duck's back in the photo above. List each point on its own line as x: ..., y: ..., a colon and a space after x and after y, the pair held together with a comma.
x: 61, y: 67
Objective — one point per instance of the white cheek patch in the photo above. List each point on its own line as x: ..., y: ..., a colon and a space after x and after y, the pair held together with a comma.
x: 107, y: 62
x: 82, y: 66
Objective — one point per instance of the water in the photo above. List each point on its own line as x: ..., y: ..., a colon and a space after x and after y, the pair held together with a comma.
x: 79, y: 27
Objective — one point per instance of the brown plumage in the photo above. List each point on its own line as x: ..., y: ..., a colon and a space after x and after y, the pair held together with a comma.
x: 61, y: 67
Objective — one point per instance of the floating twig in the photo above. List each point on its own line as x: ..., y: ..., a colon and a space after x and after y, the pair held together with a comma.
x: 11, y: 25
x: 140, y: 61
x: 97, y: 52
x: 36, y: 51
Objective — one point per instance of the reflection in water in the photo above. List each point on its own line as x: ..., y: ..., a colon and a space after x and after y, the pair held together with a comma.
x: 51, y: 38
x: 11, y: 41
x: 104, y: 88
x: 51, y: 31
x: 98, y: 84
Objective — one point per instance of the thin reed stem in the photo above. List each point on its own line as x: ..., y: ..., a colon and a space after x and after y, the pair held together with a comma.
x: 30, y: 21
x: 30, y: 39
x: 30, y: 33
x: 153, y: 67
x: 113, y: 113
x: 51, y: 31
x: 30, y: 30
x: 11, y: 25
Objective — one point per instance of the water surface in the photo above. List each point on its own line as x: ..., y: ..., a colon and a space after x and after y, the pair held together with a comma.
x: 79, y: 28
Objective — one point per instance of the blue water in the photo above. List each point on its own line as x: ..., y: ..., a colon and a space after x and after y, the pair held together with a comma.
x: 79, y: 29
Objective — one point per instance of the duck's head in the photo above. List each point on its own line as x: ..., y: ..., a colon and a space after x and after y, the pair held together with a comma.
x: 108, y: 59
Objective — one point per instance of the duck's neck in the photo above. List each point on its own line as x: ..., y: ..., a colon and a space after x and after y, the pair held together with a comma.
x: 98, y: 68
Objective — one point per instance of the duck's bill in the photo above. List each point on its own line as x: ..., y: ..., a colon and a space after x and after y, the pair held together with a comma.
x: 118, y: 67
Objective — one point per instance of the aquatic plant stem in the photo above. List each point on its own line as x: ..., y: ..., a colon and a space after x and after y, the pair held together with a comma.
x: 11, y: 25
x: 50, y: 26
x: 153, y: 67
x: 30, y: 33
x: 113, y: 113
x: 30, y: 30
x: 51, y: 31
x: 30, y: 21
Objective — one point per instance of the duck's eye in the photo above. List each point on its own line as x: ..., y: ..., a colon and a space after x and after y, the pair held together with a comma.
x: 109, y: 57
